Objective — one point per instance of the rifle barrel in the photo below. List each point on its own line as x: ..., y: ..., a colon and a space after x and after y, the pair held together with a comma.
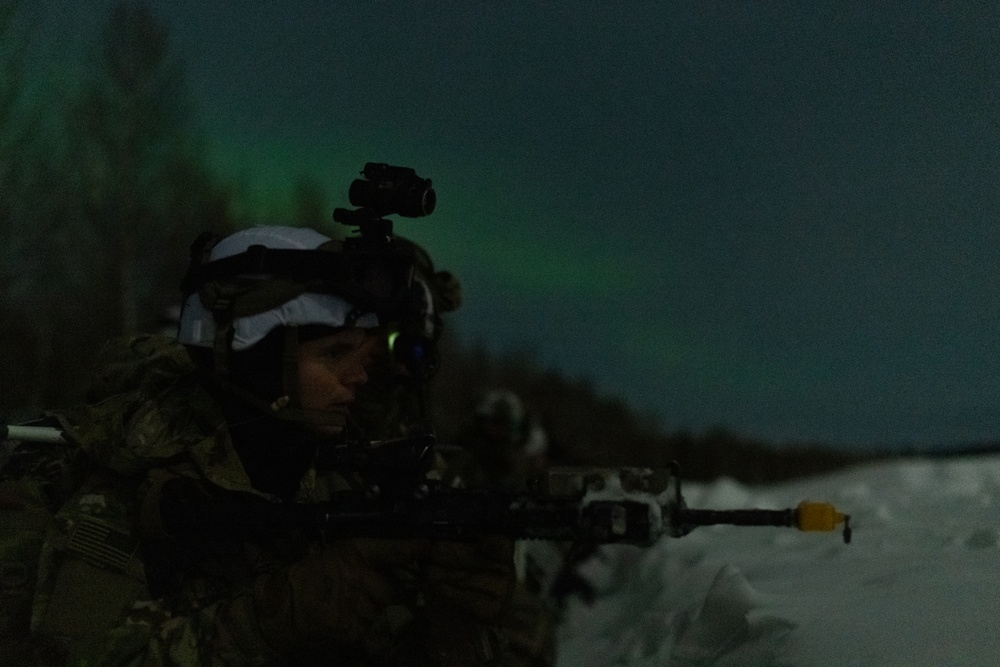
x: 739, y: 517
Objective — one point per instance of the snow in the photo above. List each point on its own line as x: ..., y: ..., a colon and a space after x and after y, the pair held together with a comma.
x: 917, y: 585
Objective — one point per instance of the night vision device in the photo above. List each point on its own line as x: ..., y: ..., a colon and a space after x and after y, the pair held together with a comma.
x: 386, y: 190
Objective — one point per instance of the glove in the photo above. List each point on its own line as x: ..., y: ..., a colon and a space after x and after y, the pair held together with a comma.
x: 333, y: 595
x: 473, y: 578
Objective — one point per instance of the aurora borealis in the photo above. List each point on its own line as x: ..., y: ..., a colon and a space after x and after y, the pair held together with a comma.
x: 775, y: 217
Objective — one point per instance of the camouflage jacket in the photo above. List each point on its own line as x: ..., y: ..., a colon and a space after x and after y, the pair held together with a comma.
x: 83, y: 512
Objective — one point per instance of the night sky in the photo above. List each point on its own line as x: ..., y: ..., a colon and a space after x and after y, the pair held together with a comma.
x: 777, y: 217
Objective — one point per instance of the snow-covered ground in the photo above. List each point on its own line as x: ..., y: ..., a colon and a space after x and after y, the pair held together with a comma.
x: 919, y: 584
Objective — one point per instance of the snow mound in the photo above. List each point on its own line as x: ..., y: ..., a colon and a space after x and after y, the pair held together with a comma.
x: 915, y: 588
x: 658, y: 616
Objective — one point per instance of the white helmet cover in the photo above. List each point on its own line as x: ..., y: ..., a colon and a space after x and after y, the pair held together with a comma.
x: 197, y: 325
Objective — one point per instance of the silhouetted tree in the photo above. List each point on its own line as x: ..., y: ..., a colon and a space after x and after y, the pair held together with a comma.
x: 145, y: 189
x: 30, y: 199
x: 310, y: 203
x: 586, y: 428
x: 14, y: 162
x: 99, y: 204
x: 17, y: 139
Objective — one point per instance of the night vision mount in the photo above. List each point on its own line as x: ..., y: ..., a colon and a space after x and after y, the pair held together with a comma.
x: 385, y: 190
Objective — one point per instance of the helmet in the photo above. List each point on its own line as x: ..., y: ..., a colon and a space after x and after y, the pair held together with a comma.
x: 263, y: 305
x: 266, y: 282
x: 503, y: 421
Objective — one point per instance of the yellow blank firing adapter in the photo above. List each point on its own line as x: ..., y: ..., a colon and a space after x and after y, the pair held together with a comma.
x: 824, y: 517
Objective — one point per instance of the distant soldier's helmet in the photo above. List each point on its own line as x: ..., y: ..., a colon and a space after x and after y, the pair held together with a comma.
x: 502, y: 412
x: 255, y: 294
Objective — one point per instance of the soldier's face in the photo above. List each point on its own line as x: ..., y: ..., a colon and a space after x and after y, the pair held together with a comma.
x: 331, y: 369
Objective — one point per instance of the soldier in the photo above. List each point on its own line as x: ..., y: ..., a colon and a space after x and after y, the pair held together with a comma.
x: 170, y: 319
x: 507, y: 447
x: 267, y: 364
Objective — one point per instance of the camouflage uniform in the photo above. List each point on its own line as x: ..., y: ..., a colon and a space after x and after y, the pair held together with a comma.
x: 108, y: 591
x: 504, y: 450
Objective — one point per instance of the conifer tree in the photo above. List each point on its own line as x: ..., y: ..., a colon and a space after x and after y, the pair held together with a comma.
x: 145, y: 187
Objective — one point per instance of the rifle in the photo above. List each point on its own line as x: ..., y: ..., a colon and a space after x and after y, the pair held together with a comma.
x: 628, y: 505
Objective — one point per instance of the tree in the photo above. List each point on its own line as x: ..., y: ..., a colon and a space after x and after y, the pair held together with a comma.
x: 97, y: 208
x: 29, y: 200
x: 144, y: 187
x: 310, y: 205
x: 18, y: 157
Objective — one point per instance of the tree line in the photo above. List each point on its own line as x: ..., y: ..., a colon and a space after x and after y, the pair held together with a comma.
x: 587, y: 428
